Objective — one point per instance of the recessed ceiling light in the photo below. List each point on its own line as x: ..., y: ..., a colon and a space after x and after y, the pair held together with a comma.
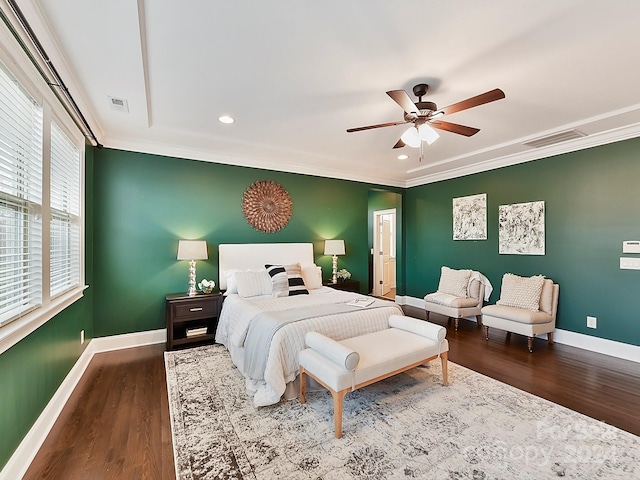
x: 226, y: 119
x: 403, y: 157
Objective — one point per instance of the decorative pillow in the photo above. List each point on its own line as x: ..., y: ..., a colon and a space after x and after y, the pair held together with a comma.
x: 454, y: 282
x: 521, y: 292
x: 312, y: 276
x: 252, y: 283
x: 279, y: 280
x: 296, y: 282
x: 232, y: 287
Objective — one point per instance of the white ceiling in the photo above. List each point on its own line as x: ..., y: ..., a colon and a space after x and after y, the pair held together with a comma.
x: 295, y: 74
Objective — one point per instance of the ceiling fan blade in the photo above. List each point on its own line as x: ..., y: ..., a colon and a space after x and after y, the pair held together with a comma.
x: 481, y: 99
x: 399, y: 144
x: 402, y: 98
x: 369, y: 127
x: 454, y: 128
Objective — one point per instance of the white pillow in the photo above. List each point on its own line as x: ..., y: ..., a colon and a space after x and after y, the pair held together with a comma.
x: 454, y: 282
x: 252, y: 283
x: 232, y: 286
x: 521, y: 292
x: 312, y: 275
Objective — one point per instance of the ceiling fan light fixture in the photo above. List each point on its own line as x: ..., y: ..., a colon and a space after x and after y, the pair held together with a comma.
x: 411, y: 137
x: 428, y: 134
x: 226, y: 119
x: 403, y: 157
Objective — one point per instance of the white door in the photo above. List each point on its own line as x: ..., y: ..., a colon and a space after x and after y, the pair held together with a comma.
x: 385, y: 254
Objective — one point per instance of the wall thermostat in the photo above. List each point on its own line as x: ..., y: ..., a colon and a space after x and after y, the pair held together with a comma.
x: 631, y: 246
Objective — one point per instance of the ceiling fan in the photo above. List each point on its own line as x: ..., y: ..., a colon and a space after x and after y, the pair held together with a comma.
x: 425, y: 115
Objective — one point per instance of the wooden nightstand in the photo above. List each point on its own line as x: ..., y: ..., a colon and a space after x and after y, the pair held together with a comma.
x: 347, y: 285
x: 192, y: 320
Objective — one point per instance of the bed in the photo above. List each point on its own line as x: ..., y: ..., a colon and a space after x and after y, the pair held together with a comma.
x: 264, y: 333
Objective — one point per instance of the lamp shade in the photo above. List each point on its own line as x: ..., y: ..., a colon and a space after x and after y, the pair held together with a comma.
x: 334, y: 247
x: 192, y: 250
x: 428, y: 134
x: 411, y: 137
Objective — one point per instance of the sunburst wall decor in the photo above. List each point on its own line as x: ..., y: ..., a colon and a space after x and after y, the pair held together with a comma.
x: 267, y: 206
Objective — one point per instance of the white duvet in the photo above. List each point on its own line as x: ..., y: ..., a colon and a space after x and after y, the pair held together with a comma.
x: 282, y: 362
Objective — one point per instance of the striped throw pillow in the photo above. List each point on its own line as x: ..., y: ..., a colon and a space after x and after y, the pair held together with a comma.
x: 296, y: 280
x: 279, y: 280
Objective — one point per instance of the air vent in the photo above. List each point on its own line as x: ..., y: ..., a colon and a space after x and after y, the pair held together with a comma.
x: 119, y: 104
x: 555, y: 138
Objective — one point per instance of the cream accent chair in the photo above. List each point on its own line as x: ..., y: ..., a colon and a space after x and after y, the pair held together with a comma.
x: 454, y: 306
x: 524, y: 321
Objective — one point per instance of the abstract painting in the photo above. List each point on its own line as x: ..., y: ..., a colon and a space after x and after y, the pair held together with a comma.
x: 521, y: 228
x: 470, y: 217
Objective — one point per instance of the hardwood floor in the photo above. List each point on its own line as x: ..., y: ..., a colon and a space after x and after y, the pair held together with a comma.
x: 116, y: 423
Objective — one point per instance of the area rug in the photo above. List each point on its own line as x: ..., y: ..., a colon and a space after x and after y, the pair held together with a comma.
x: 408, y: 426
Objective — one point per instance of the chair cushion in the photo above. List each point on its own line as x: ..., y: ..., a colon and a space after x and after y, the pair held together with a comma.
x: 515, y: 314
x: 450, y: 300
x: 521, y: 292
x: 546, y: 297
x: 454, y: 282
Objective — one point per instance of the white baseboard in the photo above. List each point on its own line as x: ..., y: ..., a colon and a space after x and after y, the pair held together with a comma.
x: 612, y: 348
x: 19, y: 462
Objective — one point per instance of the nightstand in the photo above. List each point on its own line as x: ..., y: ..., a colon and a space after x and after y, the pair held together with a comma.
x: 347, y: 285
x: 192, y: 320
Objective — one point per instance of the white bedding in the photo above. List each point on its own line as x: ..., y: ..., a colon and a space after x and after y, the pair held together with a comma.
x: 282, y: 362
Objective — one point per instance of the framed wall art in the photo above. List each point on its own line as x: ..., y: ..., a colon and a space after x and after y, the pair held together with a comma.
x: 521, y: 229
x: 470, y: 217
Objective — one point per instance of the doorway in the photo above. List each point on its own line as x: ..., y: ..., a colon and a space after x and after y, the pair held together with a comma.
x: 384, y: 253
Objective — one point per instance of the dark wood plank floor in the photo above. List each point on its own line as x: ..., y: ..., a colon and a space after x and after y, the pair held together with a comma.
x: 116, y: 424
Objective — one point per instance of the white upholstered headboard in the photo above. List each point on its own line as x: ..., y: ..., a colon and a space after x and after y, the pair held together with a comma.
x: 252, y: 256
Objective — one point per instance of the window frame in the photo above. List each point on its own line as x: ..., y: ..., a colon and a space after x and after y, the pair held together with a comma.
x: 31, y: 81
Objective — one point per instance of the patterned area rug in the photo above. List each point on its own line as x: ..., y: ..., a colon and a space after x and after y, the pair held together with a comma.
x: 408, y: 426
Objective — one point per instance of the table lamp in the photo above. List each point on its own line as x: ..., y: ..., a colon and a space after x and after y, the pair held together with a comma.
x: 192, y: 250
x: 335, y: 248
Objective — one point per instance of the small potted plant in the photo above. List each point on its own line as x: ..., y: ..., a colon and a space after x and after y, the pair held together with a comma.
x: 206, y: 286
x: 343, y: 275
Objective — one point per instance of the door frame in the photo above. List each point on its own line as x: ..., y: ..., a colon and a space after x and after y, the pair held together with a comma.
x: 377, y: 270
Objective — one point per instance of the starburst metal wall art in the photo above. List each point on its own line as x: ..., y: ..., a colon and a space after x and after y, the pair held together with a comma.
x: 267, y: 206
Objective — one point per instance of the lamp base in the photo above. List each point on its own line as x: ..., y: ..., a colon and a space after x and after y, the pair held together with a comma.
x: 334, y: 279
x: 192, y: 279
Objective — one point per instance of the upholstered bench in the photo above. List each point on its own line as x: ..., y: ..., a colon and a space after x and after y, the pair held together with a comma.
x: 356, y: 362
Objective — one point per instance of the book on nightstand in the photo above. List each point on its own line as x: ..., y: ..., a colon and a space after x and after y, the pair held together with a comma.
x: 196, y: 332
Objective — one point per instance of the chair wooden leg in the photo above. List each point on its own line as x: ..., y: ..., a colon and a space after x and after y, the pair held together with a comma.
x: 550, y: 337
x: 444, y: 359
x: 455, y: 324
x: 303, y: 385
x: 338, y: 402
x: 486, y: 332
x: 530, y: 344
x: 479, y: 320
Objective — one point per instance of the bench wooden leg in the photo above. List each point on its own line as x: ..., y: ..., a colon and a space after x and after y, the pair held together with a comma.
x: 444, y: 359
x: 455, y: 323
x: 338, y: 402
x: 530, y: 344
x: 486, y: 332
x: 303, y: 385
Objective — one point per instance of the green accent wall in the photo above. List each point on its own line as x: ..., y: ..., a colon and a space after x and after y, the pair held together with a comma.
x: 32, y: 370
x: 145, y: 203
x: 591, y: 206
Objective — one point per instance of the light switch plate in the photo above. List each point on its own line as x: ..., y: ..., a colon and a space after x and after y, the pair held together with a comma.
x: 629, y: 263
x: 631, y: 246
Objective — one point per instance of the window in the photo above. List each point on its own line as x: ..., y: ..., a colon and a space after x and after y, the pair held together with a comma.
x: 41, y: 225
x: 20, y: 199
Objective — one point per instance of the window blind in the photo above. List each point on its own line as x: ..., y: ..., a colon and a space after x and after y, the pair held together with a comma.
x: 20, y: 199
x: 65, y: 212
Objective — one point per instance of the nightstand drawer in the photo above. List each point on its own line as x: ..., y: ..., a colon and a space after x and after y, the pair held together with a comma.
x: 194, y: 309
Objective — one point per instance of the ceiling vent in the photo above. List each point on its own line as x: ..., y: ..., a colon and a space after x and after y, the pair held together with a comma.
x: 119, y: 104
x: 555, y: 138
